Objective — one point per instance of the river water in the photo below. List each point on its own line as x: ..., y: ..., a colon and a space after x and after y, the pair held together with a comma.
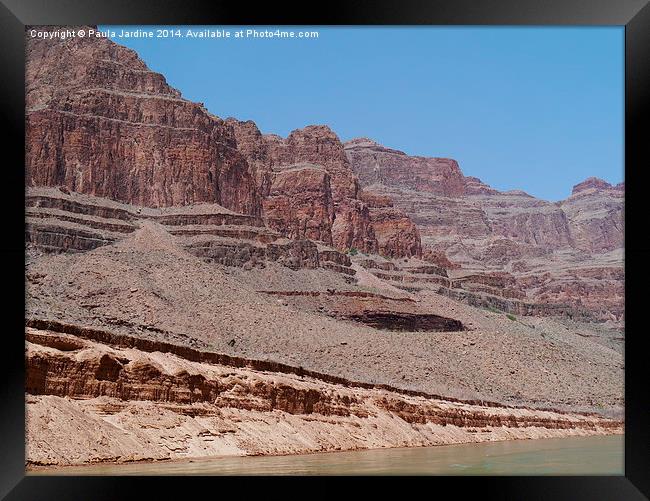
x: 597, y: 455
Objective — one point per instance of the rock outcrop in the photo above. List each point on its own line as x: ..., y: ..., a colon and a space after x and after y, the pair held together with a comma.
x: 174, y: 403
x: 466, y: 223
x: 595, y: 211
x: 98, y: 121
x: 526, y: 220
x: 397, y: 236
x: 299, y: 203
x: 316, y: 144
x: 355, y: 225
x: 594, y: 183
x: 376, y: 164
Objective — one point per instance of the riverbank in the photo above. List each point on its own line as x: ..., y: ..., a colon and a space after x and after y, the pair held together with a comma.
x: 600, y: 455
x: 124, y: 404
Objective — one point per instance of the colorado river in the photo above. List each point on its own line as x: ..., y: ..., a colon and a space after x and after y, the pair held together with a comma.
x: 597, y: 455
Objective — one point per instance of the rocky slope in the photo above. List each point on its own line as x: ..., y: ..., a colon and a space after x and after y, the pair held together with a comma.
x: 567, y: 252
x: 311, y: 306
x: 142, y: 348
x: 302, y: 304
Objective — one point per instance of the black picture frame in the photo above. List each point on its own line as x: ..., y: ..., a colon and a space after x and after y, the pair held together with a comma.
x: 633, y: 14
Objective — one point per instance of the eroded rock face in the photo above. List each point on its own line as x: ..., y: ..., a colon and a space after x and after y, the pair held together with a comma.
x: 358, y: 222
x: 468, y: 224
x: 316, y: 144
x: 70, y: 222
x: 474, y: 186
x: 527, y: 220
x: 174, y: 404
x: 299, y: 203
x: 376, y: 164
x: 595, y: 211
x: 439, y: 258
x: 253, y: 146
x: 361, y: 223
x: 594, y: 183
x: 397, y: 235
x: 98, y: 121
x: 352, y: 228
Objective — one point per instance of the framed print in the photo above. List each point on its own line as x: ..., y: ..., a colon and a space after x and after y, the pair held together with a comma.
x: 383, y: 242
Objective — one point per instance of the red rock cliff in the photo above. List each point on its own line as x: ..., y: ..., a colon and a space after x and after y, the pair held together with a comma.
x: 299, y: 203
x: 376, y: 164
x: 98, y: 121
x: 355, y: 223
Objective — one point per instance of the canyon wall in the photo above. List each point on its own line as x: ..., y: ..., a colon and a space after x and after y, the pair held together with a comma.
x: 99, y: 122
x: 280, y: 163
x: 567, y: 252
x: 434, y: 191
x: 195, y: 287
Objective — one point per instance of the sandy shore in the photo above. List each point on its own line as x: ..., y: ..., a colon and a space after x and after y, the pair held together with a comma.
x: 577, y: 455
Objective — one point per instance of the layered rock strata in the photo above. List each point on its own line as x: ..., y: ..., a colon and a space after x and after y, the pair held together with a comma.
x: 70, y: 222
x: 565, y: 254
x: 188, y: 293
x: 99, y: 122
x: 397, y: 236
x: 287, y: 166
x: 128, y: 404
x: 299, y: 203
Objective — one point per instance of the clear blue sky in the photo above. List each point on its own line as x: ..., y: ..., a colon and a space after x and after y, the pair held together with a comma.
x: 537, y: 109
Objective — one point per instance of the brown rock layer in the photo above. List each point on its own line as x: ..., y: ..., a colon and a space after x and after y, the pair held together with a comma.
x: 63, y: 370
x: 123, y: 404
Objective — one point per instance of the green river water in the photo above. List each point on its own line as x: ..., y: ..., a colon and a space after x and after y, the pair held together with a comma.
x: 597, y: 455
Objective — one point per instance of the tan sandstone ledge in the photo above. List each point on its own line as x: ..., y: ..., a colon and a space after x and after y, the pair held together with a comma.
x: 90, y: 402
